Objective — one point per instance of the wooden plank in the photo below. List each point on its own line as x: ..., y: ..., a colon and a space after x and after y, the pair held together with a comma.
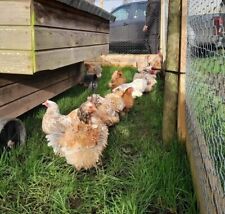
x: 29, y: 85
x: 52, y: 17
x: 15, y: 38
x: 48, y: 60
x: 163, y: 27
x: 48, y: 38
x: 181, y: 123
x: 136, y: 60
x: 171, y: 80
x: 20, y: 106
x: 15, y: 12
x: 199, y: 177
x: 27, y: 103
x: 16, y: 62
x: 216, y: 190
x: 7, y: 79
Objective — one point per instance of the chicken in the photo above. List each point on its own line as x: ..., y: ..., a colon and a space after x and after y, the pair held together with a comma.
x: 93, y: 69
x: 54, y: 124
x: 139, y: 86
x: 128, y: 99
x: 92, y: 73
x: 53, y: 121
x: 83, y: 143
x: 156, y: 62
x: 117, y: 79
x: 116, y: 100
x: 151, y: 81
x: 104, y: 110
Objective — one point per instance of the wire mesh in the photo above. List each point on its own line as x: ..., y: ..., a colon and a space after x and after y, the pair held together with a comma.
x: 205, y: 88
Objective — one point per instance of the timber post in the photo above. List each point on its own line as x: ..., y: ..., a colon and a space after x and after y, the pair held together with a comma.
x: 172, y: 68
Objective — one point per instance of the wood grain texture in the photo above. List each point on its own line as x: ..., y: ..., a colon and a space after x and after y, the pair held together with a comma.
x: 15, y: 12
x: 7, y: 79
x: 48, y: 38
x: 28, y: 85
x: 16, y: 62
x: 59, y: 18
x: 171, y: 80
x: 15, y: 38
x: 54, y: 87
x: 181, y: 122
x: 210, y: 192
x: 49, y: 60
x: 199, y: 176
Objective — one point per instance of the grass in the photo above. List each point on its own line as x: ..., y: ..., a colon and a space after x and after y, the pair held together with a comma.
x: 137, y: 174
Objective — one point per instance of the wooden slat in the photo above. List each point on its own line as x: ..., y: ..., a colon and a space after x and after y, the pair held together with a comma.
x: 29, y: 85
x: 15, y: 12
x: 199, y: 176
x: 7, y: 79
x: 181, y: 124
x: 15, y: 38
x: 26, y: 103
x: 16, y: 62
x: 48, y: 38
x: 171, y: 80
x: 48, y: 60
x: 59, y: 18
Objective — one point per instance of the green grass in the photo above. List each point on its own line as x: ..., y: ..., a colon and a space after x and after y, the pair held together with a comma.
x: 137, y: 174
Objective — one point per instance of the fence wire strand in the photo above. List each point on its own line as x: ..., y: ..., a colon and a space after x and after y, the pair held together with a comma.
x: 205, y: 88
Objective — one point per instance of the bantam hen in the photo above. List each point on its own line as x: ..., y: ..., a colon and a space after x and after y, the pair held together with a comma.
x: 117, y: 79
x: 54, y: 125
x: 139, y: 86
x: 83, y: 143
x: 105, y: 110
x: 151, y: 81
x: 128, y: 99
x: 116, y: 100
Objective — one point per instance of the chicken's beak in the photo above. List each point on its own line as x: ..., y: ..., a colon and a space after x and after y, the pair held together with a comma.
x: 45, y: 104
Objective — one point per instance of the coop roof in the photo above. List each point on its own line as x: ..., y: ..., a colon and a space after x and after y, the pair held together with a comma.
x: 90, y: 8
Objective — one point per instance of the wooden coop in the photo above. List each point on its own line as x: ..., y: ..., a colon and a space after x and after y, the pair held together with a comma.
x: 43, y: 45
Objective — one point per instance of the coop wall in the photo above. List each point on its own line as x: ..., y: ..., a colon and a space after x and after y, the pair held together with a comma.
x: 64, y: 35
x: 21, y: 93
x: 45, y: 35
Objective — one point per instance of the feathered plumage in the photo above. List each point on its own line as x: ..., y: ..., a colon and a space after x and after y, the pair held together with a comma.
x: 138, y: 85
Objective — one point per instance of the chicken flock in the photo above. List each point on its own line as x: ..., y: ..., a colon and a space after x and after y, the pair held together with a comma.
x: 82, y: 135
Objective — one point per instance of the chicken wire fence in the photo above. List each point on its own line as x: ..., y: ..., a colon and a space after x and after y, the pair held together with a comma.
x: 205, y: 98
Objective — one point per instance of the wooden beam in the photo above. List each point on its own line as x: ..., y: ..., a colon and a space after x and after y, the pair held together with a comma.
x: 15, y: 38
x: 26, y: 103
x: 205, y: 176
x: 171, y: 79
x: 199, y: 177
x: 48, y: 38
x: 49, y: 60
x: 164, y: 23
x: 46, y: 15
x: 29, y: 85
x: 181, y: 120
x: 16, y: 62
x: 15, y: 12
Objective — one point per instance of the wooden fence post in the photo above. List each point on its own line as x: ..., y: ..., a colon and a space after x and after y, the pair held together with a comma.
x: 163, y: 26
x: 171, y: 78
x: 181, y: 119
